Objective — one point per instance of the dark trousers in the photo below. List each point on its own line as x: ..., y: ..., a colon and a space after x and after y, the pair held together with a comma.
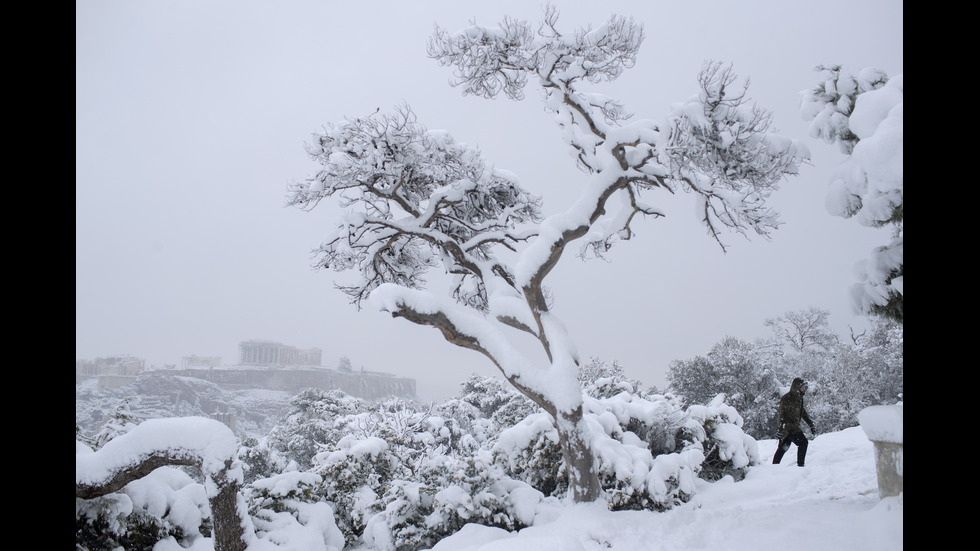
x: 792, y: 438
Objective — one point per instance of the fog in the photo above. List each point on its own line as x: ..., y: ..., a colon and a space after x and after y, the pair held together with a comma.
x: 191, y: 119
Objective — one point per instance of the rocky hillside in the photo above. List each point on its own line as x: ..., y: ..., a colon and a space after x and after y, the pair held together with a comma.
x: 252, y: 412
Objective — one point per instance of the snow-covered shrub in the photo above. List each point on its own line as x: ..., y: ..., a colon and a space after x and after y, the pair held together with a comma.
x: 649, y: 450
x: 449, y: 494
x: 259, y: 460
x: 633, y: 475
x: 275, y: 493
x: 529, y: 451
x: 512, y: 412
x: 355, y: 476
x: 120, y: 421
x: 467, y: 429
x: 728, y: 451
x: 603, y: 380
x: 285, y: 509
x: 100, y: 526
x: 166, y: 504
x: 486, y: 394
x: 311, y: 424
x: 468, y: 490
x: 496, y: 400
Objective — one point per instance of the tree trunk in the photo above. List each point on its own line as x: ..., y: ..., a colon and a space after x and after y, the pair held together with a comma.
x: 576, y: 449
x: 229, y: 526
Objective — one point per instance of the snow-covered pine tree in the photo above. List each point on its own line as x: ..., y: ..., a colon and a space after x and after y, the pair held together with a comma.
x: 863, y: 114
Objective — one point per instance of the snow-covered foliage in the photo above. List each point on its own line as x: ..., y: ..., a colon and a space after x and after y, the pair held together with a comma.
x: 117, y: 503
x: 168, y: 504
x: 311, y: 424
x: 121, y: 421
x: 286, y: 512
x: 399, y: 475
x: 746, y: 373
x: 435, y: 234
x: 864, y: 115
x: 844, y: 377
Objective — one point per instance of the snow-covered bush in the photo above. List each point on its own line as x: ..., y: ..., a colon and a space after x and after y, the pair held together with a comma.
x: 474, y: 490
x: 467, y: 429
x: 529, y: 451
x: 355, y: 476
x: 120, y: 421
x: 165, y: 505
x: 398, y: 475
x: 259, y: 460
x: 649, y: 450
x: 450, y: 493
x: 285, y: 510
x: 310, y: 424
x: 496, y: 400
x: 728, y: 451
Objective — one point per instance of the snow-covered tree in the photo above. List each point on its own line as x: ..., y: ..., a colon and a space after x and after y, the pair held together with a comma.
x: 279, y: 504
x: 344, y: 365
x: 121, y: 420
x: 420, y: 204
x: 311, y: 424
x: 850, y: 378
x: 807, y: 329
x: 844, y: 377
x: 745, y: 373
x: 497, y: 401
x: 864, y: 115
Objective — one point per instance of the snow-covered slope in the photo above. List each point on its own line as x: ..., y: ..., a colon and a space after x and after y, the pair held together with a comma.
x: 831, y: 503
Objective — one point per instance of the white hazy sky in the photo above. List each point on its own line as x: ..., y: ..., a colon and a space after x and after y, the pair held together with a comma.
x: 191, y: 119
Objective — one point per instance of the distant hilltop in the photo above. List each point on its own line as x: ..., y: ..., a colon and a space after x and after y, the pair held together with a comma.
x: 263, y: 364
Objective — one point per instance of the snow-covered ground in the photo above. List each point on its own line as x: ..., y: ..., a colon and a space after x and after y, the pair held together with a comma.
x: 831, y: 503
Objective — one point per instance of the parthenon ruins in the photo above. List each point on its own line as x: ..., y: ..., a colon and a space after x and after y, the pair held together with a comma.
x: 269, y: 353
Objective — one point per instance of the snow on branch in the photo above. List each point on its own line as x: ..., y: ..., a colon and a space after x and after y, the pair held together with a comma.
x: 490, y: 60
x: 724, y: 150
x: 417, y: 199
x: 864, y: 115
x: 191, y: 441
x: 197, y: 441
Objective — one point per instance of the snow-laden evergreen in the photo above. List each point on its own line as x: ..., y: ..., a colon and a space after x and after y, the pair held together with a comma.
x: 863, y: 114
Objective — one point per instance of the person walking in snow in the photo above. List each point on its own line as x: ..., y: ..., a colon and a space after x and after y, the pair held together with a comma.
x: 791, y: 412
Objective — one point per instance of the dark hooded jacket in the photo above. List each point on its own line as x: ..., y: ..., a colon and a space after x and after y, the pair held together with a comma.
x: 791, y: 409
